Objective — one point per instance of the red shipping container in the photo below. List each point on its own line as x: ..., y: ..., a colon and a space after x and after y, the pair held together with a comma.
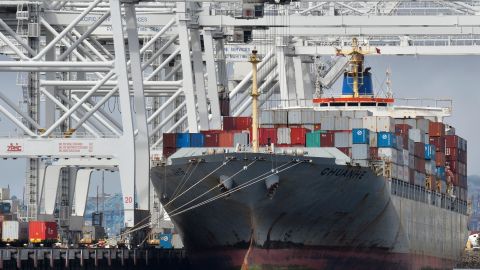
x: 419, y: 150
x: 374, y: 153
x: 420, y: 164
x: 242, y: 122
x: 436, y: 129
x: 40, y: 231
x: 225, y: 139
x: 266, y: 135
x: 439, y: 159
x: 169, y: 140
x: 439, y: 143
x: 452, y: 141
x: 402, y: 129
x: 452, y: 153
x: 168, y: 151
x: 228, y: 123
x: 297, y: 136
x: 405, y: 141
x: 212, y: 139
x: 327, y: 140
x: 346, y: 150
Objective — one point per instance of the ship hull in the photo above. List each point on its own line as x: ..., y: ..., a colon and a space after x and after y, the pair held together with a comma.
x: 323, y: 215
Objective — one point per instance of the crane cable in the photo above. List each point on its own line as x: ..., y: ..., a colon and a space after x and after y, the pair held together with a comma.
x: 216, y: 186
x: 198, y: 182
x: 246, y: 184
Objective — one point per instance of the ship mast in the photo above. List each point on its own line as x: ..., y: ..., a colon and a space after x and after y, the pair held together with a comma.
x: 356, y: 54
x: 254, y: 60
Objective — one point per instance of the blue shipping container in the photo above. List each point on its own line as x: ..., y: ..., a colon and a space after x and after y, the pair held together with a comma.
x: 360, y: 136
x: 166, y: 240
x: 183, y: 140
x: 386, y: 139
x: 429, y: 152
x: 441, y: 173
x: 197, y: 139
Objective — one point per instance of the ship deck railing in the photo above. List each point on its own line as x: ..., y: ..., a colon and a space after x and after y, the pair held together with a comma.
x: 279, y: 104
x: 418, y: 193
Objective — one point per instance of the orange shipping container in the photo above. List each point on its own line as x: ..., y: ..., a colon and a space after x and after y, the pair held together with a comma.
x: 225, y: 139
x: 439, y: 159
x: 436, y: 129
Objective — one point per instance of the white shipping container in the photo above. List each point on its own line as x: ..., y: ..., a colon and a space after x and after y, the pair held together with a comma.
x: 428, y: 166
x: 362, y: 113
x: 405, y: 157
x: 333, y: 113
x: 4, y: 194
x: 389, y: 154
x: 370, y: 122
x: 360, y: 151
x: 416, y: 135
x: 355, y: 123
x: 361, y: 162
x: 373, y: 139
x: 349, y: 114
x: 283, y: 136
x: 13, y: 230
x: 328, y: 123
x: 385, y: 124
x: 295, y: 117
x: 341, y: 123
x: 280, y: 117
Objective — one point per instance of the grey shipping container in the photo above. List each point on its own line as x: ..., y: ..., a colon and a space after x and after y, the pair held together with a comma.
x: 416, y: 135
x: 240, y: 138
x: 343, y: 139
x: 411, y: 146
x: 411, y: 161
x: 295, y: 117
x: 419, y: 179
x: 411, y: 122
x: 328, y: 123
x: 280, y: 117
x: 360, y: 151
x: 317, y: 115
x: 341, y: 123
x: 266, y: 117
x: 308, y: 117
x: 355, y: 123
x: 423, y: 124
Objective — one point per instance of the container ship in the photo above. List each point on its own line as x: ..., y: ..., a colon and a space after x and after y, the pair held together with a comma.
x: 355, y: 181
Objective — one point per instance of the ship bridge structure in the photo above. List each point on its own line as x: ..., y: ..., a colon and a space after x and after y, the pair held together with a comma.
x: 102, y: 80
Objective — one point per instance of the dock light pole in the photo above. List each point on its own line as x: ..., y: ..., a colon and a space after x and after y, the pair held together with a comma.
x: 254, y: 60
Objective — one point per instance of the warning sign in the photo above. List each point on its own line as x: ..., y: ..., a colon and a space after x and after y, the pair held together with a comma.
x: 75, y: 147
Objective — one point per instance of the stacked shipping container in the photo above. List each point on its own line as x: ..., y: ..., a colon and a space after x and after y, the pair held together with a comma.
x: 416, y: 149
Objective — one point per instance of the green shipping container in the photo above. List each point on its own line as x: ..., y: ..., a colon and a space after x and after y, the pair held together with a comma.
x: 313, y: 139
